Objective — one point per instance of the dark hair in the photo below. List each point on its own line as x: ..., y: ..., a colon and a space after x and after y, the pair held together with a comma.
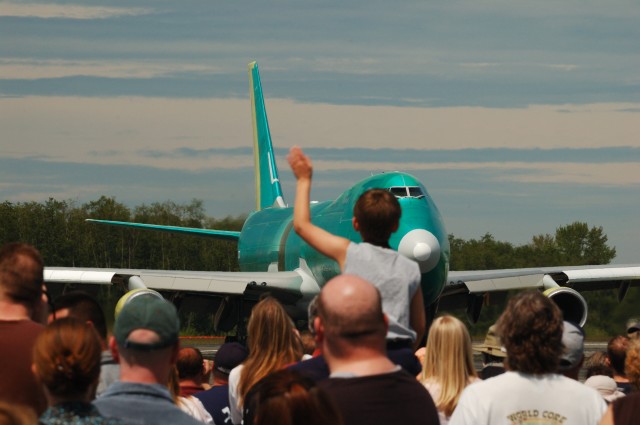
x: 286, y: 397
x: 83, y: 307
x: 531, y: 330
x: 617, y: 353
x: 189, y: 363
x: 21, y: 273
x: 599, y: 369
x: 67, y: 357
x: 378, y: 214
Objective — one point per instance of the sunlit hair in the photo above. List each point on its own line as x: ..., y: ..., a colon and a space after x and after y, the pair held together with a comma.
x: 531, y: 331
x: 272, y: 341
x: 448, y: 361
x: 67, y: 357
x: 617, y: 352
x: 632, y: 363
x: 286, y: 397
x: 21, y: 274
x: 378, y: 213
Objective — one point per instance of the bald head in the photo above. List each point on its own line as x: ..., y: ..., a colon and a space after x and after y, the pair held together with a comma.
x: 350, y: 309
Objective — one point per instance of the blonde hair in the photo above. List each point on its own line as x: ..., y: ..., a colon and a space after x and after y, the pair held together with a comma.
x: 273, y: 344
x: 448, y: 361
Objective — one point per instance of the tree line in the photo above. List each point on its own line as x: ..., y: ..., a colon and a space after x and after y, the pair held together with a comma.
x: 59, y: 230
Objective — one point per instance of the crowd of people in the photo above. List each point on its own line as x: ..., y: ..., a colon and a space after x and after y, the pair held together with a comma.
x: 356, y: 364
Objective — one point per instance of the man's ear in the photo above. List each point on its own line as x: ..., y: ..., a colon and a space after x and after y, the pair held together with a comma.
x: 386, y: 323
x: 355, y: 224
x: 113, y: 347
x: 318, y: 327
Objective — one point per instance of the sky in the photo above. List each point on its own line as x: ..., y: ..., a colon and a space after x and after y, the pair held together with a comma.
x: 519, y: 117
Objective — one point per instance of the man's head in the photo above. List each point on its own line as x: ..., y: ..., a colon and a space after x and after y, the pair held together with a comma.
x: 573, y: 355
x: 190, y: 365
x: 492, y: 349
x: 376, y: 216
x: 531, y: 331
x: 82, y: 306
x: 228, y: 356
x: 350, y: 315
x: 21, y: 275
x: 617, y: 353
x: 145, y: 338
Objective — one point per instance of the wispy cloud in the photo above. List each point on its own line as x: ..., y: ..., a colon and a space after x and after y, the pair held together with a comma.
x: 31, y: 69
x: 67, y: 11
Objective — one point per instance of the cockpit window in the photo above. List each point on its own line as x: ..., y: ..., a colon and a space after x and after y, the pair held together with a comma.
x: 406, y: 191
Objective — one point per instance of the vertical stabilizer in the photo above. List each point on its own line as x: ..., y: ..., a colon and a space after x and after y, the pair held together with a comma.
x: 268, y: 189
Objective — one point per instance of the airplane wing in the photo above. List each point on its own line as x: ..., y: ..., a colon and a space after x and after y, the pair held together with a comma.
x: 562, y: 283
x: 293, y: 288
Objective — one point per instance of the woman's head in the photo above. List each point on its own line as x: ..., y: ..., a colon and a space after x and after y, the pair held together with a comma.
x: 287, y: 398
x: 448, y: 348
x: 66, y: 358
x: 273, y: 342
x: 448, y: 360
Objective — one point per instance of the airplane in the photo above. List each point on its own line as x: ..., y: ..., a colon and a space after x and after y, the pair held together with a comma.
x: 273, y: 259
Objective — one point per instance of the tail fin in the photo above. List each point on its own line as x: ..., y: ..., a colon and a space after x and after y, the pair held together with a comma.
x: 268, y: 189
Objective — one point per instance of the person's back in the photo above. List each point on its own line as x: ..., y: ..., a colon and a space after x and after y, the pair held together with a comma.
x: 86, y: 308
x: 66, y: 359
x: 376, y: 215
x: 146, y: 343
x: 216, y: 398
x: 21, y: 270
x: 531, y: 329
x: 366, y: 386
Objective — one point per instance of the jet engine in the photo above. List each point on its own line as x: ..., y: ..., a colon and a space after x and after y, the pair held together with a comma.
x: 571, y: 303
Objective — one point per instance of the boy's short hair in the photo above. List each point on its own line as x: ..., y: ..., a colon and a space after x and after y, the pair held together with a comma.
x: 378, y: 213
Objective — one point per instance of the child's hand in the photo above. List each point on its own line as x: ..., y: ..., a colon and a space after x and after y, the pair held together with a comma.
x: 300, y: 163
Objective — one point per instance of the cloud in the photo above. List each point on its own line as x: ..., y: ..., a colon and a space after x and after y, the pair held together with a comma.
x: 67, y: 11
x: 32, y: 69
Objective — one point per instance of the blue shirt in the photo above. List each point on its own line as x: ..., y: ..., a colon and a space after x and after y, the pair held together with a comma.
x: 216, y: 401
x: 147, y: 404
x: 75, y: 413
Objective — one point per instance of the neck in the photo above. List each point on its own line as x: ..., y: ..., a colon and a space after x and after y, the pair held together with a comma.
x: 143, y: 375
x: 190, y: 383
x: 13, y: 311
x: 361, y: 361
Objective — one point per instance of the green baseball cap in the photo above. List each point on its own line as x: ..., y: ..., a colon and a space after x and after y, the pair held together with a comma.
x: 147, y: 312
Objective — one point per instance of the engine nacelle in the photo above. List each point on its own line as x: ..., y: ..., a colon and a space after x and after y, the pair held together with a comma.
x: 571, y: 303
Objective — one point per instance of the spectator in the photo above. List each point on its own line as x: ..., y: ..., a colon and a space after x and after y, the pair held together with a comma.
x: 188, y: 404
x: 191, y: 371
x: 376, y: 215
x: 286, y: 397
x: 145, y: 343
x: 448, y: 364
x: 531, y: 330
x: 616, y: 355
x: 85, y: 307
x: 366, y: 386
x: 606, y: 386
x: 66, y: 360
x: 573, y: 355
x: 493, y: 354
x: 216, y: 399
x: 626, y: 410
x: 598, y: 358
x: 273, y: 344
x: 21, y: 310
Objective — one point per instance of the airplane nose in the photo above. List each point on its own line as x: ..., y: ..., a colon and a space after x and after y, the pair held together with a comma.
x: 421, y: 246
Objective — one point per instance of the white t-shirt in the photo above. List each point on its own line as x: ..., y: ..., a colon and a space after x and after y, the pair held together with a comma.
x: 234, y: 395
x: 520, y: 399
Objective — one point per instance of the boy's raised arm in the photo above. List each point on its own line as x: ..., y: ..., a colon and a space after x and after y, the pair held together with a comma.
x: 332, y: 246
